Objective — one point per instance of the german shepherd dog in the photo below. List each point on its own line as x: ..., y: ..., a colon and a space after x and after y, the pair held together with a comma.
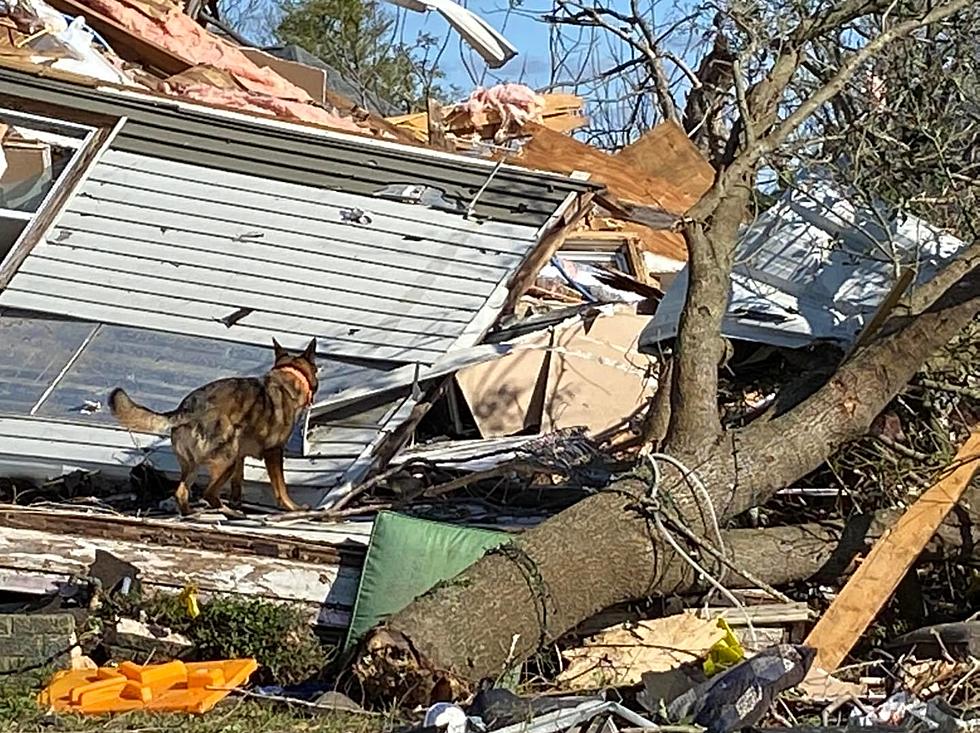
x: 221, y: 423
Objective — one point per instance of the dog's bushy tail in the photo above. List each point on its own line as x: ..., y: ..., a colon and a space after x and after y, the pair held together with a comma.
x: 136, y: 417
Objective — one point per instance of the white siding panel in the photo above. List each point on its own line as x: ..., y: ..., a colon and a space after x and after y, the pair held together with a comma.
x: 42, y: 450
x: 233, y: 290
x: 239, y: 184
x: 113, y: 303
x: 178, y: 247
x: 276, y: 261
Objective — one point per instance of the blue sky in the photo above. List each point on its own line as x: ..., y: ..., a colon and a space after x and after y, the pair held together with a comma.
x: 523, y: 27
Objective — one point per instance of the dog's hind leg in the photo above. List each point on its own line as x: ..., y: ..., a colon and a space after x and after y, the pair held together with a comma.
x: 237, y: 481
x: 188, y: 472
x: 220, y: 473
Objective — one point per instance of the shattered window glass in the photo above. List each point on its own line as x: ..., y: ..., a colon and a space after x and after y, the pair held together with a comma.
x: 36, y: 152
x: 35, y: 351
x: 64, y: 370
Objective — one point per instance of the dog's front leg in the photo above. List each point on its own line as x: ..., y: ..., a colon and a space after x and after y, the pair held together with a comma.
x: 274, y: 467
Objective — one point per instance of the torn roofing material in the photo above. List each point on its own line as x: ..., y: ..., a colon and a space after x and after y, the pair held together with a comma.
x: 196, y: 232
x: 814, y: 267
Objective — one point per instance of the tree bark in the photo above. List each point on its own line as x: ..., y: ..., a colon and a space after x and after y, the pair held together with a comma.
x: 602, y: 551
x: 823, y: 551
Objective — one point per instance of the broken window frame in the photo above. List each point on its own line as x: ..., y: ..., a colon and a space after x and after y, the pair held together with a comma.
x: 98, y: 137
x: 623, y: 251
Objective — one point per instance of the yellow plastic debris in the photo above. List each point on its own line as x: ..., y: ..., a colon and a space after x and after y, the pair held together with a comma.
x: 189, y: 596
x: 724, y: 653
x: 192, y: 687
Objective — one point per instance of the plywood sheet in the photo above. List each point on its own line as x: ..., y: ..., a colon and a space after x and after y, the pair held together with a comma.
x: 552, y: 151
x: 595, y: 378
x: 666, y: 152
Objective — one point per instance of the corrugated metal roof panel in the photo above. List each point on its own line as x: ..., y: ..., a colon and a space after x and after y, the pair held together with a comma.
x: 179, y: 247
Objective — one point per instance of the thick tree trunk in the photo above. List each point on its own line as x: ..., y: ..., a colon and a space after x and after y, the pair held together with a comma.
x: 777, y: 555
x: 602, y: 551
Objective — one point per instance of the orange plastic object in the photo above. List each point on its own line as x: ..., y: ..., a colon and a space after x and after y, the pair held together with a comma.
x: 192, y: 687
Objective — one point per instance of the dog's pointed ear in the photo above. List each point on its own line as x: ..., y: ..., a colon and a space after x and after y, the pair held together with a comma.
x: 310, y: 353
x: 279, y: 351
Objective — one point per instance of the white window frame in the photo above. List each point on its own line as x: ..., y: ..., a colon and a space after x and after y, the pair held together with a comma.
x: 88, y: 149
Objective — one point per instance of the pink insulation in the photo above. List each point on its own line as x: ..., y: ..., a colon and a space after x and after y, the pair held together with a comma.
x: 263, y: 104
x: 162, y: 23
x: 514, y: 103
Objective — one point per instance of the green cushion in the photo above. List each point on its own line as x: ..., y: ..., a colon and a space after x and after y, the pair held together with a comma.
x: 408, y: 556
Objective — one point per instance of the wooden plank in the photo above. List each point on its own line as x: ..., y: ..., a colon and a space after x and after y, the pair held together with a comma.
x: 765, y: 614
x: 550, y: 243
x: 128, y: 45
x: 327, y: 591
x: 185, y: 533
x: 877, y: 577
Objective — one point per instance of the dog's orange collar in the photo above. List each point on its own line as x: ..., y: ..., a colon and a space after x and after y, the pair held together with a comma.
x: 303, y: 380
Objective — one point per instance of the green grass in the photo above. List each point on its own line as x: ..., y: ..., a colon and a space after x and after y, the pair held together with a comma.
x: 19, y: 712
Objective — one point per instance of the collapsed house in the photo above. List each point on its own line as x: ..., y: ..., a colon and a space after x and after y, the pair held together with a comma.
x: 171, y: 212
x: 174, y: 244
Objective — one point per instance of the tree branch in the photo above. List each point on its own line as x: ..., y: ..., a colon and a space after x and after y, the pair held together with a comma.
x: 833, y: 87
x: 713, y: 231
x: 926, y: 294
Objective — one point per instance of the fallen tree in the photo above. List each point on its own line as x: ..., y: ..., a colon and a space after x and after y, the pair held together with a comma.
x: 606, y: 549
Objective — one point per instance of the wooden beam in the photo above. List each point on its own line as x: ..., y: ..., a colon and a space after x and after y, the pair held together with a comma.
x: 876, y: 579
x: 44, y: 558
x: 524, y: 278
x: 187, y: 534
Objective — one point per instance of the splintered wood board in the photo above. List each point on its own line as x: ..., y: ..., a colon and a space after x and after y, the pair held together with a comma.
x: 877, y: 577
x: 666, y: 152
x: 38, y: 561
